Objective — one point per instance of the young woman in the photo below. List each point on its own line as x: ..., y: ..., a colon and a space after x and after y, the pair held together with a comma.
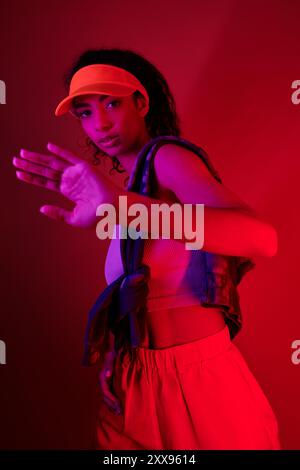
x: 180, y: 382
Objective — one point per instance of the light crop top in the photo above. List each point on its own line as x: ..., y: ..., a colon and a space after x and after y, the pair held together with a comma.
x: 173, y: 281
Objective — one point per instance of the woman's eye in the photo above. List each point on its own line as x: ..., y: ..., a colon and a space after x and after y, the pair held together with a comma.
x: 83, y: 114
x: 114, y: 102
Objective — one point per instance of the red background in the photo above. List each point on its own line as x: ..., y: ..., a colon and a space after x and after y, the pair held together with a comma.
x: 230, y: 65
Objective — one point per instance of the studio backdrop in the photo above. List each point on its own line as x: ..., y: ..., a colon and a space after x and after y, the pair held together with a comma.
x: 234, y: 69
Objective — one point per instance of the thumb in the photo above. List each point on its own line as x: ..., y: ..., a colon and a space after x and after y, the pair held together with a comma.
x: 56, y: 213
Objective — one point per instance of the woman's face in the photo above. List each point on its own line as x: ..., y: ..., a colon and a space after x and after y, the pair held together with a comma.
x: 107, y: 116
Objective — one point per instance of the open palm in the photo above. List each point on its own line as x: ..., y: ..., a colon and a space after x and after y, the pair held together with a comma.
x: 68, y: 174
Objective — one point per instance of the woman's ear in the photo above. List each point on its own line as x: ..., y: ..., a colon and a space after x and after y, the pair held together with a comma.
x: 142, y: 105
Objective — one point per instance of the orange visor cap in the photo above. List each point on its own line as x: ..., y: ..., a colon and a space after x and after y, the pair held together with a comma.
x: 101, y: 79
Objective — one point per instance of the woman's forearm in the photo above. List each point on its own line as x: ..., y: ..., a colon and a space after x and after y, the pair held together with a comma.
x: 236, y: 232
x: 230, y: 231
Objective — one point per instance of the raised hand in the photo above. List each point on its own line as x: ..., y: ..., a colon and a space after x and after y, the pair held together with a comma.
x: 64, y: 172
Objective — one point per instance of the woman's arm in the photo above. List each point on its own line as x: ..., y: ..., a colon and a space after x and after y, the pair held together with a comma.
x: 231, y: 227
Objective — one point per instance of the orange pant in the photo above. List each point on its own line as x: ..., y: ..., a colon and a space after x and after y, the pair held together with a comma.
x: 194, y: 396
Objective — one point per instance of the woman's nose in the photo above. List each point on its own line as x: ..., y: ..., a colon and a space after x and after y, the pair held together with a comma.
x: 102, y: 121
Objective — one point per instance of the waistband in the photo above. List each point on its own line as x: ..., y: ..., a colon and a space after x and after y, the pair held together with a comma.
x: 182, y: 354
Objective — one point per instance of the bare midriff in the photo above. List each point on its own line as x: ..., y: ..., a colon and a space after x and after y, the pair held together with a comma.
x: 175, y: 326
x: 168, y: 327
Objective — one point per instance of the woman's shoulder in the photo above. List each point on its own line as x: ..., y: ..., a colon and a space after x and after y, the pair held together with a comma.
x: 181, y: 156
x: 193, y: 179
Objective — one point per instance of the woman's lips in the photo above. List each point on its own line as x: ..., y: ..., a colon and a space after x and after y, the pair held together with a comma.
x: 109, y: 142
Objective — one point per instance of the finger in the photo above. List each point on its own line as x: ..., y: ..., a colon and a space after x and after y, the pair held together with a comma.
x: 46, y: 160
x: 56, y: 213
x: 112, y: 408
x: 110, y: 402
x: 63, y: 153
x: 37, y: 169
x: 38, y: 181
x: 107, y: 393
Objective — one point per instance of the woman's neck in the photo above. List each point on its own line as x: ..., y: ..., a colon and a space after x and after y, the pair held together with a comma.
x: 128, y: 159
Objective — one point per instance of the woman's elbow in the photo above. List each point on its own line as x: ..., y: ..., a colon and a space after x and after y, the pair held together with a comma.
x: 267, y: 241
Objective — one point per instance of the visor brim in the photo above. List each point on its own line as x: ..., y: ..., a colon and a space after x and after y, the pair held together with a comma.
x: 113, y: 89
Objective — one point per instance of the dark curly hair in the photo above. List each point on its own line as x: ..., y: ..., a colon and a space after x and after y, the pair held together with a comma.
x: 162, y: 117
